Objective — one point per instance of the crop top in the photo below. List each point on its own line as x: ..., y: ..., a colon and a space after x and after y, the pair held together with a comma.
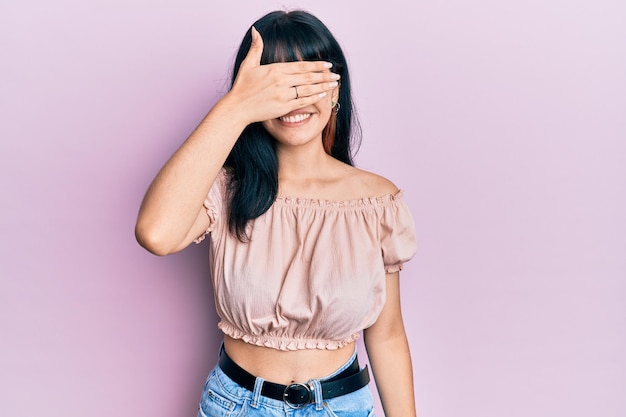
x: 312, y: 275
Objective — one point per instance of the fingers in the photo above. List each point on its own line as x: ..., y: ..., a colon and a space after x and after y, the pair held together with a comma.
x: 311, y: 78
x: 300, y: 67
x: 253, y: 58
x: 311, y: 85
x: 307, y: 83
x: 304, y: 91
x: 267, y: 91
x: 307, y: 101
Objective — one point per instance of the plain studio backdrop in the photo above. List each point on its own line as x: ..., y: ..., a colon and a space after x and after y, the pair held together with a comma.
x: 504, y: 122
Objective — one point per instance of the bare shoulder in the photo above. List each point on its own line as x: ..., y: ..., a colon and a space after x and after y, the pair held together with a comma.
x: 369, y: 184
x: 377, y: 184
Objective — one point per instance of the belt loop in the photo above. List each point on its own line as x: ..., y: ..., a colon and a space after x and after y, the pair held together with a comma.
x: 256, y: 393
x: 316, y: 387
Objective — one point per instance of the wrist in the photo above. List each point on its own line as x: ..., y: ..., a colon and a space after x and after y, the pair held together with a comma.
x: 231, y: 108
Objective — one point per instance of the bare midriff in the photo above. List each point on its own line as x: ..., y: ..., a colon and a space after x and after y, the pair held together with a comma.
x: 286, y: 367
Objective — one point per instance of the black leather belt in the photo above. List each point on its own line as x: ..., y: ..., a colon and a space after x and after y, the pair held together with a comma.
x: 298, y: 395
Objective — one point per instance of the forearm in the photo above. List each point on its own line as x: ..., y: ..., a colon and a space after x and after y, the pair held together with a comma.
x: 175, y: 197
x: 390, y: 360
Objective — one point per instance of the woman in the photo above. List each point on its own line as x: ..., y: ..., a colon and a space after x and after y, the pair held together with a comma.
x: 305, y: 248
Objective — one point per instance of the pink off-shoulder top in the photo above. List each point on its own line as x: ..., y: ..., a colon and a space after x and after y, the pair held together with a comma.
x: 312, y: 275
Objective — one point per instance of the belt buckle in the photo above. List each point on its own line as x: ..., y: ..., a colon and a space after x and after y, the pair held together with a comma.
x: 297, y: 395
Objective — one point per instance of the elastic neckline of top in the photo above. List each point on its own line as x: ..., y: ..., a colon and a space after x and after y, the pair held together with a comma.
x: 375, y: 200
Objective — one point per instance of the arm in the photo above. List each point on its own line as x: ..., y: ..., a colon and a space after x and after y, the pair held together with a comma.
x: 171, y: 215
x: 388, y: 352
x: 172, y: 211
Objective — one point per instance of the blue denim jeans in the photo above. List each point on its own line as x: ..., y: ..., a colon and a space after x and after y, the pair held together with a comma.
x: 221, y: 397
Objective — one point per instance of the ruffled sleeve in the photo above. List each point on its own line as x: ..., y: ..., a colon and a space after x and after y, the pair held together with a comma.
x: 214, y: 202
x: 397, y: 234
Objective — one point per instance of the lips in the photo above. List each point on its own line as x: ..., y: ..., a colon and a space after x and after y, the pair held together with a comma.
x: 295, y: 118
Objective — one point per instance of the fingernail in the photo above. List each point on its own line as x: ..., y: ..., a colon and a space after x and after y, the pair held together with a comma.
x: 332, y: 84
x: 322, y: 94
x: 335, y: 76
x: 328, y: 65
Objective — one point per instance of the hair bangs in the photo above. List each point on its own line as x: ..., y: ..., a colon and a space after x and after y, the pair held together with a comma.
x: 291, y: 41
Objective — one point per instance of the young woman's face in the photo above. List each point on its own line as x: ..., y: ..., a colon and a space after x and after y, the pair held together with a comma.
x: 303, y: 126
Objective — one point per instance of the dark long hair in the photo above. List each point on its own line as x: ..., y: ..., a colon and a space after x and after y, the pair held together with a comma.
x: 287, y: 36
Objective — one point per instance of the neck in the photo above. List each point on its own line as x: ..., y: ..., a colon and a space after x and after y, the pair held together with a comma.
x: 302, y: 162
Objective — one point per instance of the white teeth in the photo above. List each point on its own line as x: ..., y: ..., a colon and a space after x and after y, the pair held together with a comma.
x: 295, y: 118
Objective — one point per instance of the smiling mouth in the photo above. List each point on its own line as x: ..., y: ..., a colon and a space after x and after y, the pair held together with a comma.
x: 296, y: 118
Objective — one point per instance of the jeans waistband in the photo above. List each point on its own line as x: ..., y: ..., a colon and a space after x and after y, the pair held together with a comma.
x: 347, y: 379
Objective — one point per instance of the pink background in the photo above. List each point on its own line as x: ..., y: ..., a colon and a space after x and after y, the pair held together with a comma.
x: 504, y: 122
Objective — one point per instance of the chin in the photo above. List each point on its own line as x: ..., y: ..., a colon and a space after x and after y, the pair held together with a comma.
x: 294, y: 136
